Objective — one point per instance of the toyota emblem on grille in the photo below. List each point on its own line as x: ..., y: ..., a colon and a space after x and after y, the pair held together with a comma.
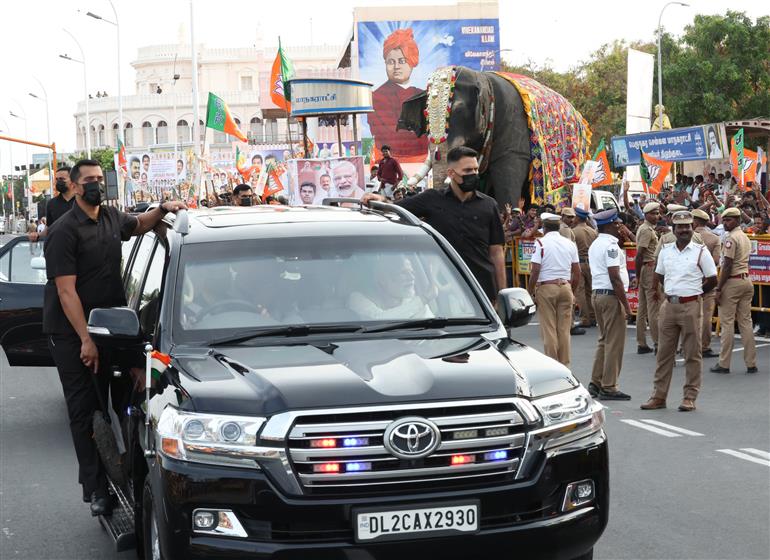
x: 411, y: 438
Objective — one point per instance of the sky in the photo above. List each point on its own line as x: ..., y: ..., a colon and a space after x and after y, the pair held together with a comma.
x: 32, y: 36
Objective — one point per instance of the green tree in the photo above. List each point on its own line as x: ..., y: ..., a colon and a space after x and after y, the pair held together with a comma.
x: 105, y: 156
x: 718, y: 71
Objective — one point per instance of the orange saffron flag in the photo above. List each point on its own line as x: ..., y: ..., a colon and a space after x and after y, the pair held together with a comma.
x: 219, y: 118
x: 654, y: 172
x: 602, y: 176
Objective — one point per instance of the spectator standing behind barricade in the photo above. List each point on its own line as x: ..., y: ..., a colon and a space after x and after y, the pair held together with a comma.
x: 389, y: 172
x: 734, y: 294
x: 609, y: 278
x: 584, y: 236
x: 554, y: 277
x: 647, y: 310
x: 686, y: 270
x: 714, y: 246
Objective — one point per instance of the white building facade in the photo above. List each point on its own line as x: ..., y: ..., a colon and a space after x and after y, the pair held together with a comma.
x: 159, y: 115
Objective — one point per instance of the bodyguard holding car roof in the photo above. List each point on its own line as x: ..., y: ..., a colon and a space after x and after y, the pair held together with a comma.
x: 83, y: 254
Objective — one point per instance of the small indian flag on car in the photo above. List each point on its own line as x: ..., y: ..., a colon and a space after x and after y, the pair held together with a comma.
x: 160, y: 362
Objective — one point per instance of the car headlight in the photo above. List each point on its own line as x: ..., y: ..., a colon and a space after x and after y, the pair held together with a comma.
x: 568, y: 416
x: 211, y: 438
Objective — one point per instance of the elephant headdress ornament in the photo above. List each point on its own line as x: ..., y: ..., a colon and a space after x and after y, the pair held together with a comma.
x: 525, y: 133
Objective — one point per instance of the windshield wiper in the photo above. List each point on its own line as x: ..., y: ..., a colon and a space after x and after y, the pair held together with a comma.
x: 285, y: 330
x: 431, y: 323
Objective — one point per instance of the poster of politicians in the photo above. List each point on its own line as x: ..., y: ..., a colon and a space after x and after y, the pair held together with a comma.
x: 399, y: 56
x: 313, y: 180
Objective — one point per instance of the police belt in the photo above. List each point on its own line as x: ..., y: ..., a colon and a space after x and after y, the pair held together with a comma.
x: 604, y: 292
x: 682, y: 299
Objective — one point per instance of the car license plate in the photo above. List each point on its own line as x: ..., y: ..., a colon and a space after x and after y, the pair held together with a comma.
x: 415, y: 522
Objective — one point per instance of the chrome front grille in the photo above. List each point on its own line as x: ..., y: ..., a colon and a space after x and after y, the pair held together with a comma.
x: 346, y: 450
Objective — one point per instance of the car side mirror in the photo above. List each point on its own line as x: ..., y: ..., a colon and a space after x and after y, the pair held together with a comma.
x: 37, y: 263
x: 516, y: 307
x: 114, y: 324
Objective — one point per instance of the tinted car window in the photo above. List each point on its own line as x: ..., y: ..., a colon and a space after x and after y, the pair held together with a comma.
x: 126, y: 254
x: 16, y: 264
x: 150, y: 298
x: 136, y: 273
x: 223, y: 287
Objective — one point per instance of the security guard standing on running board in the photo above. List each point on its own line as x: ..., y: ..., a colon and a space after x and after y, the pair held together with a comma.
x: 609, y: 278
x: 554, y: 276
x: 714, y: 245
x: 686, y: 270
x: 734, y: 294
x: 646, y: 246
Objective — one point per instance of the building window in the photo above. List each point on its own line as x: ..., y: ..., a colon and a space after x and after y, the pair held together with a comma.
x: 247, y: 83
x: 256, y: 129
x: 202, y: 129
x: 100, y: 135
x: 93, y: 136
x: 183, y: 131
x: 271, y: 130
x: 82, y: 137
x: 147, y: 134
x: 162, y: 133
x: 115, y: 136
x: 128, y: 134
x: 153, y: 88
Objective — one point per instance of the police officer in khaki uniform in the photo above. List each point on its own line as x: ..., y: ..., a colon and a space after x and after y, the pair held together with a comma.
x: 686, y: 270
x: 669, y: 236
x: 609, y: 277
x: 567, y: 221
x: 734, y: 294
x: 714, y: 245
x: 554, y: 276
x: 646, y: 246
x: 584, y: 236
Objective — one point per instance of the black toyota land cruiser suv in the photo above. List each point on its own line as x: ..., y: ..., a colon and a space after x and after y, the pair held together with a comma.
x: 340, y: 387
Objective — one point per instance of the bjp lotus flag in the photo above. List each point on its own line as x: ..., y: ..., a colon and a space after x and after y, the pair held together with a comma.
x: 219, y: 118
x: 749, y: 172
x: 122, y: 162
x: 240, y: 165
x: 282, y: 72
x: 654, y: 172
x: 602, y: 175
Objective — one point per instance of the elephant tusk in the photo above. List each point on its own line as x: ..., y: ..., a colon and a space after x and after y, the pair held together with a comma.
x: 422, y: 172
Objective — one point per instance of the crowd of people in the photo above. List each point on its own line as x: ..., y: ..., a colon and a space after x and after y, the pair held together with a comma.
x: 692, y: 257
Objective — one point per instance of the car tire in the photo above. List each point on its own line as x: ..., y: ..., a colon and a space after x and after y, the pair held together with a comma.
x: 151, y: 540
x: 587, y: 556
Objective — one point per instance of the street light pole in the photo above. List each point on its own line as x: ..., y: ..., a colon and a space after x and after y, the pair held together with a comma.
x: 85, y: 90
x: 660, y: 63
x: 26, y: 152
x: 196, y: 109
x: 10, y: 153
x: 116, y: 23
x: 48, y: 131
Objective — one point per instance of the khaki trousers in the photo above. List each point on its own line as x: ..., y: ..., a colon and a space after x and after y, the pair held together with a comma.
x: 611, y: 319
x: 709, y: 303
x: 554, y: 309
x: 735, y: 306
x: 583, y: 295
x: 675, y: 320
x: 647, y: 312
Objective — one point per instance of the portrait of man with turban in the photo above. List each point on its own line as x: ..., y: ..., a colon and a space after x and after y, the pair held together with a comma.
x: 400, y: 55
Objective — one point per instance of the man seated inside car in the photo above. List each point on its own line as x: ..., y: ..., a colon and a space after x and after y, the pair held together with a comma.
x: 393, y: 294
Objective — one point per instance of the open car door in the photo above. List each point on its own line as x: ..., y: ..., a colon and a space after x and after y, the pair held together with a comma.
x: 21, y: 303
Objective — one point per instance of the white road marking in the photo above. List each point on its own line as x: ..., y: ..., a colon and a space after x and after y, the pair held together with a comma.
x: 740, y: 348
x: 673, y: 428
x: 652, y: 429
x: 757, y: 452
x: 744, y: 456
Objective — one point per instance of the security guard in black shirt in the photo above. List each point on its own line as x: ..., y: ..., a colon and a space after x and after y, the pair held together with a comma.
x: 83, y: 254
x: 58, y: 205
x: 468, y: 219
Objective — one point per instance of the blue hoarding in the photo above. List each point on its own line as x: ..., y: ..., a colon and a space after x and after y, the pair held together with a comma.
x: 677, y: 144
x: 399, y: 56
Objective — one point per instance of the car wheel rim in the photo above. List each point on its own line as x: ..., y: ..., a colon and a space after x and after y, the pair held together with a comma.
x: 154, y: 540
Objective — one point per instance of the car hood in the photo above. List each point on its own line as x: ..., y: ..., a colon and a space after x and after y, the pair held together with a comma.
x: 267, y: 380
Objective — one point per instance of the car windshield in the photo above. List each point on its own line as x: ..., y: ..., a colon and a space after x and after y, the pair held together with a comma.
x: 227, y: 288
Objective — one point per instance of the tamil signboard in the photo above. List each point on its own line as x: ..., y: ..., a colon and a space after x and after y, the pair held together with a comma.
x: 314, y: 96
x: 677, y: 144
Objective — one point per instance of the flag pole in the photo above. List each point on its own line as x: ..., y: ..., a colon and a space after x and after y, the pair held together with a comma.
x: 285, y: 101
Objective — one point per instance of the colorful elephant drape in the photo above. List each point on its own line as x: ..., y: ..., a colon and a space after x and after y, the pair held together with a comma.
x: 559, y: 138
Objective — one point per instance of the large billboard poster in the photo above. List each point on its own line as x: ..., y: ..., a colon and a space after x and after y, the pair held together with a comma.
x: 312, y: 180
x: 397, y: 57
x: 677, y: 144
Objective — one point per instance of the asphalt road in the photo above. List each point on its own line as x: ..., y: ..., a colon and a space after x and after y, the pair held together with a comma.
x: 684, y: 485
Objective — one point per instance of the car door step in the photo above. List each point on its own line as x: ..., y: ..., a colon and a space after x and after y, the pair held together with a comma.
x: 120, y: 525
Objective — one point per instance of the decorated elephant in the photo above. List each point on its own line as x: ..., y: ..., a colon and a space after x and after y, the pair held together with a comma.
x: 530, y: 138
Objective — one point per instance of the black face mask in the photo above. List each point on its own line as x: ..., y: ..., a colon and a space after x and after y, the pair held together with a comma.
x: 470, y: 182
x: 246, y: 201
x: 61, y: 186
x: 93, y: 193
